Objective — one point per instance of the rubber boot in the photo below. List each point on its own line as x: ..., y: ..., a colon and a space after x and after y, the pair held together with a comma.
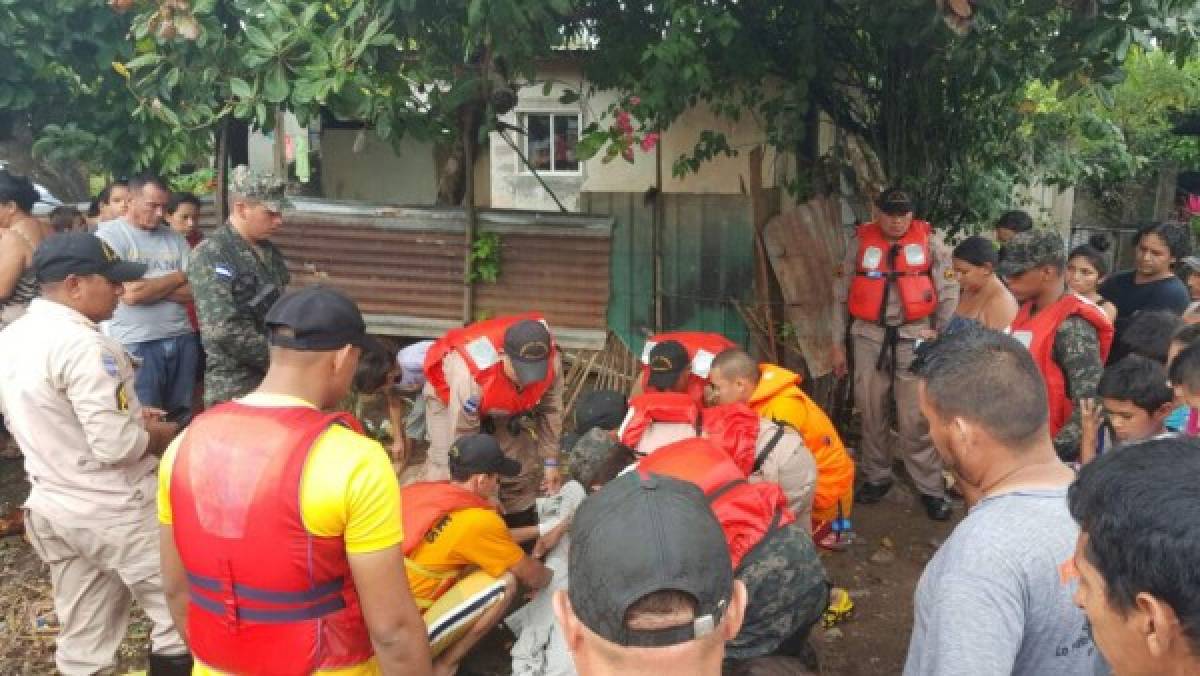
x: 170, y: 665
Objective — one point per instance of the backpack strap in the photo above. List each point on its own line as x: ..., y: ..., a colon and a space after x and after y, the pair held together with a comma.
x: 762, y: 455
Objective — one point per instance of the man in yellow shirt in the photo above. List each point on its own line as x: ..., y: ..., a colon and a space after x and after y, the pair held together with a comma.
x: 281, y: 527
x: 463, y: 565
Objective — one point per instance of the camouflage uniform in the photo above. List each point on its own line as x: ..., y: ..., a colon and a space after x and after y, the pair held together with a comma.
x: 1077, y: 351
x: 787, y: 593
x: 1076, y: 344
x: 234, y: 283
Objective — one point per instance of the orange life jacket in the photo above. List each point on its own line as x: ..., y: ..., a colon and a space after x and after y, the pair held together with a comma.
x: 1037, y: 331
x: 266, y: 595
x: 481, y: 345
x: 425, y: 504
x: 747, y: 512
x: 904, y: 265
x: 701, y: 347
x: 656, y: 407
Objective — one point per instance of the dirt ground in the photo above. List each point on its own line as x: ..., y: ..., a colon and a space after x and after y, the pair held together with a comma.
x: 880, y: 568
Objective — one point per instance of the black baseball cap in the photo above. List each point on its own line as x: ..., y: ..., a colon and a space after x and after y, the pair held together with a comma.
x: 666, y: 361
x: 480, y: 454
x: 600, y: 408
x: 894, y: 202
x: 316, y: 318
x: 640, y: 534
x: 81, y: 253
x: 527, y: 343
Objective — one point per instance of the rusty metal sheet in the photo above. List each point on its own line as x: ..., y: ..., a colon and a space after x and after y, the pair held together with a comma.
x: 805, y: 245
x: 404, y: 266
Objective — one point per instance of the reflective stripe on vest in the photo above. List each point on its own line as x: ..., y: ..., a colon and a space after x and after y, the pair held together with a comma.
x: 307, y: 603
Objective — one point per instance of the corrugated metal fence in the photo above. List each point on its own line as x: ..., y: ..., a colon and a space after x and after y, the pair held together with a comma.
x: 707, y: 263
x: 404, y: 266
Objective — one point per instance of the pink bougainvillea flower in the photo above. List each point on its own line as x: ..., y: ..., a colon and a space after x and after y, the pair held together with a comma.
x: 624, y: 121
x: 649, y: 141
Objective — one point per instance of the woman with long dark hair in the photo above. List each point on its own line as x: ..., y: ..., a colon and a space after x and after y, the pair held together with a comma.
x: 20, y: 234
x: 1152, y: 283
x: 983, y: 298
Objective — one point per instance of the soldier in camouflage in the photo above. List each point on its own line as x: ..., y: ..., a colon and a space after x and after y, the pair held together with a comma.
x: 236, y: 275
x: 785, y: 581
x: 1034, y: 267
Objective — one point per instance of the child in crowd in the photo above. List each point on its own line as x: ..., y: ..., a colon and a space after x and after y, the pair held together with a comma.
x: 66, y: 219
x: 1149, y: 334
x: 1136, y: 400
x: 1189, y: 270
x: 1184, y: 418
x: 1185, y: 378
x: 1086, y: 270
x: 183, y: 215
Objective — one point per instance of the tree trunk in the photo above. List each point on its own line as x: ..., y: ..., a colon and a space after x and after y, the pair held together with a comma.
x: 468, y: 127
x: 452, y: 179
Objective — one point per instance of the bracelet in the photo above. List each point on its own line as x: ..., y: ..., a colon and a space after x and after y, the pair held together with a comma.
x: 549, y: 462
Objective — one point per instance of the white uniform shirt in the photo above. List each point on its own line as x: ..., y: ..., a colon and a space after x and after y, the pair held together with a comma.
x: 67, y: 395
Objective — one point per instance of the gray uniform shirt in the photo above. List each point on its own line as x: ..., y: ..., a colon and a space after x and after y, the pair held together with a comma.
x: 993, y: 600
x: 163, y: 251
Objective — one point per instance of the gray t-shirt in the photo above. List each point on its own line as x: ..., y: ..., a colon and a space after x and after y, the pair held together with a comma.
x: 994, y: 599
x: 163, y: 251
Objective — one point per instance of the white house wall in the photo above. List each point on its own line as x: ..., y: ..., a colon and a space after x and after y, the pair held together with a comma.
x: 377, y: 172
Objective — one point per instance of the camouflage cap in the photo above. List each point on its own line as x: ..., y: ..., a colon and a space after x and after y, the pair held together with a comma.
x: 1030, y: 249
x: 591, y: 450
x: 260, y: 186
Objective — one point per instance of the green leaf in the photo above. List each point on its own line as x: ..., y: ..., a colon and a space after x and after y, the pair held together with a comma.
x: 241, y: 88
x: 569, y: 96
x: 275, y: 85
x: 547, y: 87
x: 475, y: 11
x: 143, y: 61
x: 259, y: 38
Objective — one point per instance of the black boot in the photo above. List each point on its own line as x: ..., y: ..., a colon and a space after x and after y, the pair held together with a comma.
x: 170, y: 665
x: 937, y: 509
x: 869, y: 493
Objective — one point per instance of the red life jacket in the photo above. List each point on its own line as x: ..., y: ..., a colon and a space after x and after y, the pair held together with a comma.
x: 701, y: 347
x: 657, y: 407
x: 734, y: 428
x: 267, y: 596
x: 426, y: 502
x: 911, y: 276
x: 747, y: 512
x: 1037, y: 331
x: 481, y: 345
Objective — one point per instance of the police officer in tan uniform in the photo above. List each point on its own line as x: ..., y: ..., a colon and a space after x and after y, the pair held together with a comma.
x: 91, y: 452
x: 510, y: 355
x: 898, y: 287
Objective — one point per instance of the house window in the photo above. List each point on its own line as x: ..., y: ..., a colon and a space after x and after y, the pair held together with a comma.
x: 550, y: 140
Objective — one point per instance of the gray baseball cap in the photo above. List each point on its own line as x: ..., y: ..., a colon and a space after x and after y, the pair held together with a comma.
x: 260, y: 186
x: 641, y: 534
x: 1030, y: 249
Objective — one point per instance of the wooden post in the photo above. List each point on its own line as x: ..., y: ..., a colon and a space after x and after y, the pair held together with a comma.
x: 467, y: 127
x: 656, y: 240
x: 222, y: 178
x: 759, y: 209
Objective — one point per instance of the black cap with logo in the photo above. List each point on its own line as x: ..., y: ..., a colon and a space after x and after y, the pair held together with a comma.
x: 316, y: 318
x: 480, y: 454
x: 81, y: 253
x: 894, y: 202
x: 667, y: 360
x: 642, y: 534
x: 527, y: 344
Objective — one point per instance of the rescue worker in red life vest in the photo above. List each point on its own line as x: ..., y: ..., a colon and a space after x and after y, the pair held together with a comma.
x: 774, y: 556
x: 897, y: 283
x: 1068, y: 336
x: 679, y: 362
x: 463, y: 564
x: 763, y: 449
x: 280, y: 524
x: 503, y: 377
